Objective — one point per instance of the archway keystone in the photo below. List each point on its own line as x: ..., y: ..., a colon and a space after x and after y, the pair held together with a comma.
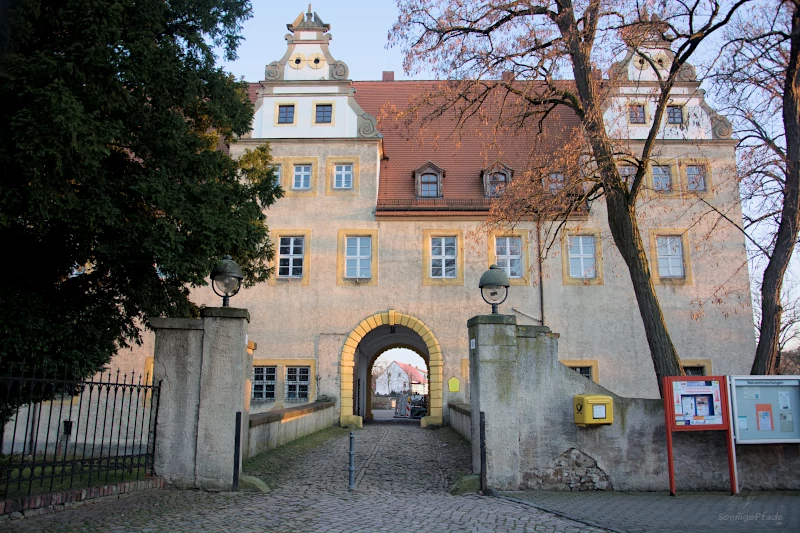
x: 347, y: 362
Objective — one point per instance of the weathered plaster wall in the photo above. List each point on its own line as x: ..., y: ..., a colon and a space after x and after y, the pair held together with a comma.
x: 555, y: 454
x: 708, y: 318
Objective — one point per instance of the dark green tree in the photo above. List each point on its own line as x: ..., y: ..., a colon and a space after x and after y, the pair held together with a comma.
x: 117, y: 193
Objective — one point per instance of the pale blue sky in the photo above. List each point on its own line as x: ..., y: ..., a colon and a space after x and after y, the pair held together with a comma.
x: 359, y: 29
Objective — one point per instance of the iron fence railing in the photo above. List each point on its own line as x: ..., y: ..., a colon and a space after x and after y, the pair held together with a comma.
x: 60, y: 434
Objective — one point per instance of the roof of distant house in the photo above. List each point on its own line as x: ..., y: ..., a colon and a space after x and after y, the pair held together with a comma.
x: 415, y: 374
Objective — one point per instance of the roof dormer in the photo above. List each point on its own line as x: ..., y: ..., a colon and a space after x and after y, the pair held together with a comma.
x: 428, y: 181
x: 495, y: 179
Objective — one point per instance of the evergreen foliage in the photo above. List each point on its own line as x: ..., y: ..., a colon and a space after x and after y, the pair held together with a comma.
x: 117, y: 194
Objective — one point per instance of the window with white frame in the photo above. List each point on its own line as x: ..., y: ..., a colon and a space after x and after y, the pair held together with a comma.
x: 444, y: 253
x: 554, y: 182
x: 276, y: 170
x: 662, y: 178
x: 302, y: 177
x: 297, y: 381
x: 358, y: 257
x: 670, y: 256
x: 264, y: 383
x: 582, y: 260
x: 343, y: 176
x: 291, y: 253
x: 508, y: 255
x: 696, y: 178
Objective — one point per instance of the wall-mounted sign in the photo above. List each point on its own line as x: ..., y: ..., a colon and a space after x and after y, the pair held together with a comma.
x: 766, y: 409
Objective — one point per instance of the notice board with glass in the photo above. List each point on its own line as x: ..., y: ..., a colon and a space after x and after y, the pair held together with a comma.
x: 765, y: 409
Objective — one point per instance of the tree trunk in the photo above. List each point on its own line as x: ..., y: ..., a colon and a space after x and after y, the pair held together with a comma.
x: 786, y: 238
x: 621, y: 215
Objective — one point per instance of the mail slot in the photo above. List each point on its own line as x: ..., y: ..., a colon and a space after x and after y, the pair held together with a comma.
x: 593, y: 409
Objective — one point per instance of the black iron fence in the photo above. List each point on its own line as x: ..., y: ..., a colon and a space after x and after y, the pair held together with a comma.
x: 60, y: 434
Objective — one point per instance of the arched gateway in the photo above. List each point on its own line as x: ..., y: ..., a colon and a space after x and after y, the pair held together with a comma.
x: 376, y: 334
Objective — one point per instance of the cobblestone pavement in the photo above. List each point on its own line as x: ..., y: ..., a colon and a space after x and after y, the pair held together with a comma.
x: 403, y: 475
x: 655, y: 512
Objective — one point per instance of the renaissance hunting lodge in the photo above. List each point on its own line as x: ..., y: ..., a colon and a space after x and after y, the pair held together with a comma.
x: 380, y: 240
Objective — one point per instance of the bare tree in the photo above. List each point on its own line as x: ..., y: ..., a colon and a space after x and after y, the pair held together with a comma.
x: 547, y: 41
x: 757, y: 83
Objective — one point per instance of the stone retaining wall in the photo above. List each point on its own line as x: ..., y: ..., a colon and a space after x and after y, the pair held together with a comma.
x: 276, y: 428
x: 532, y: 441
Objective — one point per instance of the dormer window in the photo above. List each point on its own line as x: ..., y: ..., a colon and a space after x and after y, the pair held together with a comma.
x: 495, y: 179
x: 428, y: 181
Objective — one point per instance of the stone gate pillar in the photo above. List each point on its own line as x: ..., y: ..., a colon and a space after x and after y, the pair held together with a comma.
x: 203, y: 366
x: 493, y: 391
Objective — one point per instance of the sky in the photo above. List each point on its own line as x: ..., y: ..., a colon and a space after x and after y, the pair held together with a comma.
x: 401, y: 355
x: 359, y: 31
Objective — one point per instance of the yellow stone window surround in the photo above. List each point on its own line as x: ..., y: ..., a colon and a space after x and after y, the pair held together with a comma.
x: 593, y: 363
x: 566, y: 279
x: 687, y: 266
x: 341, y: 256
x: 524, y: 237
x: 427, y: 235
x: 275, y: 235
x: 331, y: 163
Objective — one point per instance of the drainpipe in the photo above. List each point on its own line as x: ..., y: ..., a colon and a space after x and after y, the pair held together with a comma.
x: 541, y: 276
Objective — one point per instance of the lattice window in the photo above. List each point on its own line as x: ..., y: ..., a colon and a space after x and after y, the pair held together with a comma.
x: 508, y: 255
x: 444, y: 253
x: 264, y: 383
x: 582, y: 261
x: 297, y: 381
x: 285, y: 114
x: 662, y: 178
x: 291, y: 253
x: 670, y: 256
x: 358, y: 257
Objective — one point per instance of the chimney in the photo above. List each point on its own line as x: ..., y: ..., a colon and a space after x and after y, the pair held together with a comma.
x: 508, y: 76
x: 388, y: 75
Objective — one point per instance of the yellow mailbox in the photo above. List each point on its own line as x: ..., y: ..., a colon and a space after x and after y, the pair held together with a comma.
x: 593, y: 409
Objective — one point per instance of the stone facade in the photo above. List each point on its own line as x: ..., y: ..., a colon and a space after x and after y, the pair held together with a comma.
x: 325, y: 320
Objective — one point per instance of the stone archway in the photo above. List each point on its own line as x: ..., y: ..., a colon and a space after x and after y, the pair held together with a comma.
x: 347, y: 362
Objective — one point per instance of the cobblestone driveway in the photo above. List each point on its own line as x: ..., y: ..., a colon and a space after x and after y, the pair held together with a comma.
x: 403, y: 477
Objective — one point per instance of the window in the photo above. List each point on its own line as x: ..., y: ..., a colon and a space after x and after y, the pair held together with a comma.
x: 429, y: 186
x: 443, y: 257
x: 670, y: 256
x: 662, y: 178
x: 627, y: 173
x: 302, y: 177
x: 497, y: 182
x: 276, y: 169
x: 554, y: 182
x: 585, y: 371
x: 694, y: 370
x: 696, y: 178
x: 674, y: 114
x: 428, y: 180
x: 358, y: 257
x: 291, y: 252
x: 636, y: 114
x: 264, y: 383
x: 343, y: 176
x: 297, y: 380
x: 286, y: 114
x: 508, y: 255
x: 582, y: 263
x: 324, y: 113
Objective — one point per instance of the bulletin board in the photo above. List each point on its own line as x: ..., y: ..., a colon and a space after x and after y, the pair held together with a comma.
x: 696, y: 403
x: 766, y: 409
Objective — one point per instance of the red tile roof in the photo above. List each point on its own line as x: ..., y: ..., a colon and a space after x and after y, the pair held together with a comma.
x: 463, y: 154
x: 414, y: 374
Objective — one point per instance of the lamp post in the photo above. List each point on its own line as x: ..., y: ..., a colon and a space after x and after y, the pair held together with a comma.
x: 226, y: 279
x: 494, y: 287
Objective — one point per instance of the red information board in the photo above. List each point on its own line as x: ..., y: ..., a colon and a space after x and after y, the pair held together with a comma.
x: 697, y: 403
